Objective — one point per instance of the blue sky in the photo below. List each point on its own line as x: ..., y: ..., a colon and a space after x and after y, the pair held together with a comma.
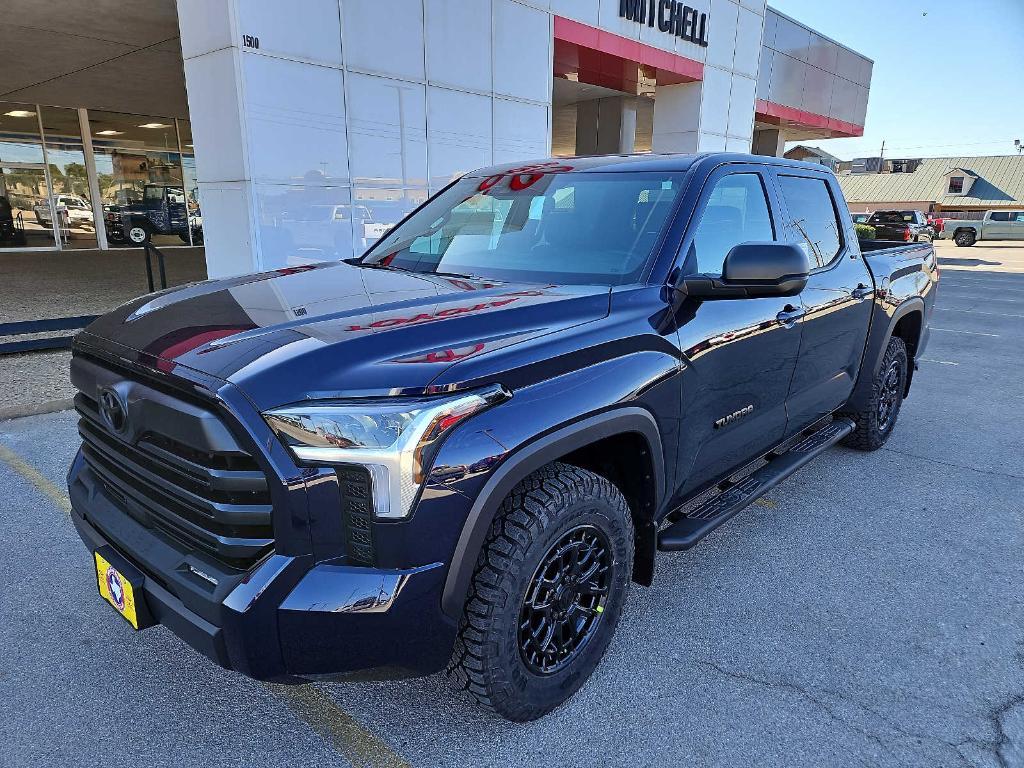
x: 947, y: 78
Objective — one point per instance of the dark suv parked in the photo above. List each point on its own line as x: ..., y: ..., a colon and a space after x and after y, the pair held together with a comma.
x: 465, y: 446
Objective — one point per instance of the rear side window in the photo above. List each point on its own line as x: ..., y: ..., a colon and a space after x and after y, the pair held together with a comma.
x: 736, y: 212
x: 813, y: 217
x: 1000, y: 216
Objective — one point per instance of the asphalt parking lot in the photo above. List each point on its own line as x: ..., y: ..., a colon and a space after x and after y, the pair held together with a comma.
x: 869, y: 612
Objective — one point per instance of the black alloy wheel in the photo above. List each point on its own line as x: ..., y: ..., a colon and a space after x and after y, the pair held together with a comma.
x: 564, y: 603
x: 889, y: 395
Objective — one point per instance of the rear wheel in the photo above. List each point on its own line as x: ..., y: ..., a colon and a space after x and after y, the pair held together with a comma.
x: 964, y: 238
x: 875, y: 421
x: 547, y: 593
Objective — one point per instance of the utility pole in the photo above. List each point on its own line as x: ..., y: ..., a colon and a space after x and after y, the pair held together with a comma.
x: 881, y: 157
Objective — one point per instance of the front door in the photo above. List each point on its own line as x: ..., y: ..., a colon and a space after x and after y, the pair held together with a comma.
x: 837, y: 299
x: 740, y: 353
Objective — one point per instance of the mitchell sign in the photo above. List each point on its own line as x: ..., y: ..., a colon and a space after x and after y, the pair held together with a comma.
x: 669, y: 16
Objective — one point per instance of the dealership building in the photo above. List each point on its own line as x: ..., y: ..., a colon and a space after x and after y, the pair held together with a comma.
x: 282, y: 133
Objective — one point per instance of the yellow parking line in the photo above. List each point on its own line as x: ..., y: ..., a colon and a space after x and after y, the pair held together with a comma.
x: 30, y: 473
x: 321, y: 713
x: 314, y: 707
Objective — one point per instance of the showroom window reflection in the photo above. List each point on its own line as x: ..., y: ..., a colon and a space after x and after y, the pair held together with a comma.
x: 142, y: 185
x: 144, y: 168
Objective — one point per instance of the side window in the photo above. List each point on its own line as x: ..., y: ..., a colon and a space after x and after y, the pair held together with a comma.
x: 1000, y: 216
x: 813, y: 217
x: 736, y: 212
x: 1019, y: 217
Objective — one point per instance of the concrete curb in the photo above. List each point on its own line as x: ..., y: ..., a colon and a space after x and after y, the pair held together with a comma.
x: 35, y: 409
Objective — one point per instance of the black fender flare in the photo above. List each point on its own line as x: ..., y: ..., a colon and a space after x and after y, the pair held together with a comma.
x: 912, y: 304
x: 874, y: 353
x: 527, y: 459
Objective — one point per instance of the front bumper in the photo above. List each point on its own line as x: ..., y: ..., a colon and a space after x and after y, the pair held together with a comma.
x: 287, y: 618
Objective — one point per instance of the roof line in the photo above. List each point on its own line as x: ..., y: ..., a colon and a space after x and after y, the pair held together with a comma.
x: 819, y: 34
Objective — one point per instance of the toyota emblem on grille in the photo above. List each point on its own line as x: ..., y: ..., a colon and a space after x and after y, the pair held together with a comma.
x: 112, y: 410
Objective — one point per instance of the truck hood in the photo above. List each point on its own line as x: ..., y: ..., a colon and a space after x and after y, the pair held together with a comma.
x: 336, y: 330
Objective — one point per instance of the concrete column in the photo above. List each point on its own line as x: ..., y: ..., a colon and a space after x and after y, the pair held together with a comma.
x: 677, y: 117
x: 770, y: 142
x: 266, y: 101
x: 606, y: 126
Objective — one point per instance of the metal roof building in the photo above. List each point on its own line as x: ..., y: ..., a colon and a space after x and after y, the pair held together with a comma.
x: 984, y: 183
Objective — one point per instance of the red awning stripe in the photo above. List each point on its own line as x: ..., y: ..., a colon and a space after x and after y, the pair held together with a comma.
x: 771, y: 112
x: 676, y: 68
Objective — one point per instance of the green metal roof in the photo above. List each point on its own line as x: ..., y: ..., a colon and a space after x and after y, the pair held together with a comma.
x: 1000, y: 183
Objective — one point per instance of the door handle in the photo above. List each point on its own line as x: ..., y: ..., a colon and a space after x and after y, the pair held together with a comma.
x: 862, y: 291
x: 790, y: 315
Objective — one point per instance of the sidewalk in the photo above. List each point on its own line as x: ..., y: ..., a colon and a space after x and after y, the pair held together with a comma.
x: 35, y: 286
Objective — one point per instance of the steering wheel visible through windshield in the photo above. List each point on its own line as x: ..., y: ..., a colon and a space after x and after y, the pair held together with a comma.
x: 542, y: 225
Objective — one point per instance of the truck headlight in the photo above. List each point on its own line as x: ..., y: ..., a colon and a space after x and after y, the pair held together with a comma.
x: 392, y: 438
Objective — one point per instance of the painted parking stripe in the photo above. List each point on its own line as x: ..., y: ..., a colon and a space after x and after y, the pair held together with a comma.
x: 30, y: 473
x: 977, y: 312
x: 969, y: 333
x: 314, y: 707
x: 940, y: 362
x: 981, y: 298
x: 349, y: 738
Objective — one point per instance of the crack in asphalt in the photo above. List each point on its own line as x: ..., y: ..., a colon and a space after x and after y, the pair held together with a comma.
x: 933, y: 460
x: 996, y: 717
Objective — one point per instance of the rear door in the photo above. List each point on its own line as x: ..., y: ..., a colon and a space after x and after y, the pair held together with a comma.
x: 740, y: 353
x: 999, y: 225
x: 837, y: 299
x: 1016, y: 226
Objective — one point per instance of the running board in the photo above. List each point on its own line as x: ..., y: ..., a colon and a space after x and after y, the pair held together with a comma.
x: 735, y: 496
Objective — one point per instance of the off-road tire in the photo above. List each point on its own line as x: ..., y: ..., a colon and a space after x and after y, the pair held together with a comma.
x: 965, y: 238
x: 538, y: 513
x: 871, y: 431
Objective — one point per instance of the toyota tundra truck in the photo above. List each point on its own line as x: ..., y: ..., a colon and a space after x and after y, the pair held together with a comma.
x: 995, y: 225
x: 458, y: 450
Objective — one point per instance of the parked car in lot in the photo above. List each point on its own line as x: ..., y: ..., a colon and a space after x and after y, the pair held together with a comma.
x: 997, y: 225
x: 458, y: 450
x: 860, y: 218
x: 75, y: 210
x: 163, y: 210
x: 908, y: 226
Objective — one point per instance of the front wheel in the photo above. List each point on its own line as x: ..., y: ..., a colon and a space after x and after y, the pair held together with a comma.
x: 547, y: 593
x: 875, y: 421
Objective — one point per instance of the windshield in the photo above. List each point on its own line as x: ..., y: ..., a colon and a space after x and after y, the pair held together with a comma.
x: 575, y: 228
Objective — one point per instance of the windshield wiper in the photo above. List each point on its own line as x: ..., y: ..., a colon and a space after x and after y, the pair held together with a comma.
x: 357, y: 262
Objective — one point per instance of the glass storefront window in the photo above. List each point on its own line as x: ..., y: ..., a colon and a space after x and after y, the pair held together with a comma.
x: 68, y: 178
x: 25, y: 211
x: 139, y: 167
x: 19, y: 133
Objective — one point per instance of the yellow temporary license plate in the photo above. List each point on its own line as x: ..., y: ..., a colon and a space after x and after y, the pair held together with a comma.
x: 117, y: 590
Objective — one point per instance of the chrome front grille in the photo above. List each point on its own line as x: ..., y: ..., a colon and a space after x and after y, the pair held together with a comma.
x: 178, y: 470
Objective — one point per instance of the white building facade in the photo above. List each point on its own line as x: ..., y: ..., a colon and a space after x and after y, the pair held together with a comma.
x: 316, y: 125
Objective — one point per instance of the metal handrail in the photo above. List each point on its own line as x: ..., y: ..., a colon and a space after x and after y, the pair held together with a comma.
x: 150, y: 249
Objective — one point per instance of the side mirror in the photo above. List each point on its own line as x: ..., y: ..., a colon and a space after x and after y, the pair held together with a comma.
x: 752, y: 271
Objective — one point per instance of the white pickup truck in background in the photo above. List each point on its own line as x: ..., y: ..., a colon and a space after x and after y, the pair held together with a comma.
x: 996, y: 225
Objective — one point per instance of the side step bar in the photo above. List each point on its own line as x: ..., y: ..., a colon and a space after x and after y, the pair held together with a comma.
x: 735, y: 496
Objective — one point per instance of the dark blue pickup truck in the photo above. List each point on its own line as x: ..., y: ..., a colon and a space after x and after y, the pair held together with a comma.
x: 458, y: 450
